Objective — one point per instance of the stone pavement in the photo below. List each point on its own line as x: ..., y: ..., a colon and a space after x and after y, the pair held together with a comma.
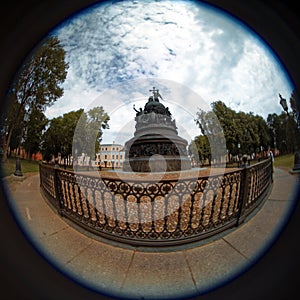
x: 123, y: 271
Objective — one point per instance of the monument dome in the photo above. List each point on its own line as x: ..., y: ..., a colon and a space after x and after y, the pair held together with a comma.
x: 156, y: 146
x: 155, y: 106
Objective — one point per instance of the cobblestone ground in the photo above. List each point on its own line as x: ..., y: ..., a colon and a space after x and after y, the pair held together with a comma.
x: 118, y: 174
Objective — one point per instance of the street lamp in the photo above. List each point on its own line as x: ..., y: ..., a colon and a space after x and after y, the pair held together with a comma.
x: 296, y: 167
x: 283, y: 103
x: 18, y: 171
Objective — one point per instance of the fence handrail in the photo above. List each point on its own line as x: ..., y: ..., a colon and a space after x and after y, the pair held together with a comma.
x: 147, y: 212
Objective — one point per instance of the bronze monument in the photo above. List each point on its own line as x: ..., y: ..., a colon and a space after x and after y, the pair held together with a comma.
x: 156, y: 146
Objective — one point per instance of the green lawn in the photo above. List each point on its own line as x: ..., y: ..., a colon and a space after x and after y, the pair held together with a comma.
x: 284, y: 161
x: 9, y: 167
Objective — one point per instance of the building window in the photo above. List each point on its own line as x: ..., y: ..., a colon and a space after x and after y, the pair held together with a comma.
x: 121, y: 156
x: 113, y: 157
x: 117, y: 156
x: 105, y: 156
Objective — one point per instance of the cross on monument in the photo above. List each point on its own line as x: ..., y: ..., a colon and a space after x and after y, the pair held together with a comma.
x: 156, y: 93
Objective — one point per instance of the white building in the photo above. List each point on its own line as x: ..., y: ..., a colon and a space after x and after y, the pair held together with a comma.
x: 110, y: 156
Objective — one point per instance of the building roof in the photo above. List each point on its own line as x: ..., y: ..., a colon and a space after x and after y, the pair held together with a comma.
x: 101, y: 145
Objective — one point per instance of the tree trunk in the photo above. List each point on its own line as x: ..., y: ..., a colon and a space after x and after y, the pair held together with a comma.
x: 6, y: 144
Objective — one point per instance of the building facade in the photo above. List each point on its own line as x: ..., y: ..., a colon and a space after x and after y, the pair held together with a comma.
x: 110, y: 156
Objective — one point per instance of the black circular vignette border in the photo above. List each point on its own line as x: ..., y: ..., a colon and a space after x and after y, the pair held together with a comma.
x: 24, y: 273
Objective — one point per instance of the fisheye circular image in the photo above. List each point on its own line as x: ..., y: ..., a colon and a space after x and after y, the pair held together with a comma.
x: 150, y: 149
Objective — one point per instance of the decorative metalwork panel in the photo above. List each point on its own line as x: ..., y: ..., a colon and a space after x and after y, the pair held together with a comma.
x: 47, y: 182
x: 259, y: 180
x: 157, y: 213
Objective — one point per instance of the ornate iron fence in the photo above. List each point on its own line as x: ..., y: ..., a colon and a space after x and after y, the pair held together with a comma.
x: 160, y: 213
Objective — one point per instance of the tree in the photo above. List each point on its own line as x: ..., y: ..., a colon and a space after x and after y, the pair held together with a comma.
x: 37, y: 85
x: 51, y: 143
x: 229, y: 121
x: 295, y: 106
x: 199, y: 149
x: 79, y: 139
x: 16, y: 139
x: 58, y: 138
x: 282, y: 130
x: 75, y: 130
x: 97, y: 120
x: 273, y: 127
x: 264, y: 135
x: 247, y: 133
x: 70, y: 121
x: 89, y: 130
x: 211, y: 128
x: 34, y: 130
x: 244, y: 133
x: 11, y: 127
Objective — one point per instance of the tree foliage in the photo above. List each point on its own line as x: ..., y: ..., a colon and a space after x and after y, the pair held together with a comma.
x: 75, y: 130
x: 211, y: 129
x: 244, y: 133
x: 89, y: 130
x: 283, y: 131
x: 199, y: 149
x: 295, y: 106
x: 34, y: 130
x: 58, y: 137
x: 36, y: 86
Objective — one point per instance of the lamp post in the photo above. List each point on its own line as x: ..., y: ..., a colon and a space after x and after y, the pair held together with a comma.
x: 239, y: 149
x: 75, y: 159
x: 18, y: 171
x: 296, y: 167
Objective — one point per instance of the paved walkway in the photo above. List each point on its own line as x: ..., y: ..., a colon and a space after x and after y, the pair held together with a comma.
x: 143, y: 273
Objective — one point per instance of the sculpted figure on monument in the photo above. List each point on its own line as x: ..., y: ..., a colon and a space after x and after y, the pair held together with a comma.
x: 154, y: 112
x: 138, y: 112
x: 167, y: 112
x: 156, y: 94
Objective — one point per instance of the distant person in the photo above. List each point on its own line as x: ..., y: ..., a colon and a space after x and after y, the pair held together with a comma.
x: 244, y: 161
x: 271, y: 155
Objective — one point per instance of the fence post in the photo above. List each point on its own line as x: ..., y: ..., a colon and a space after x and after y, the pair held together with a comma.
x: 272, y: 169
x: 40, y: 172
x: 243, y: 197
x: 57, y: 190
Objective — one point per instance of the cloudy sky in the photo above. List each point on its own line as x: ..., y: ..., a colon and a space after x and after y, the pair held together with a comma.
x: 193, y: 53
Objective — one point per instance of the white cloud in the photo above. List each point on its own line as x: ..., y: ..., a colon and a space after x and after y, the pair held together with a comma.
x: 178, y: 41
x: 77, y: 94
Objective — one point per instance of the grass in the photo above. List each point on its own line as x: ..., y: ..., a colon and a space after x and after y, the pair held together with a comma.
x: 9, y: 167
x: 284, y: 161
